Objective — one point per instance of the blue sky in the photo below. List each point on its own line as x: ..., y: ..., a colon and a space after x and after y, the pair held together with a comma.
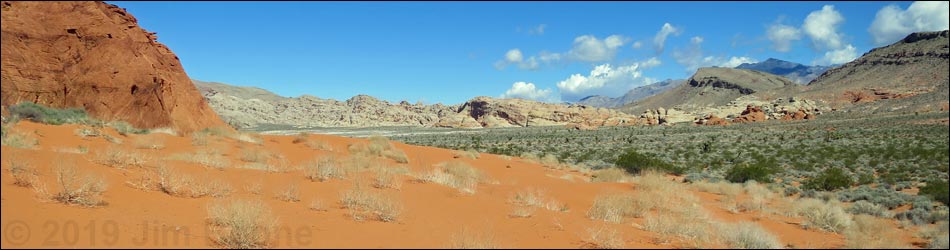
x: 449, y: 52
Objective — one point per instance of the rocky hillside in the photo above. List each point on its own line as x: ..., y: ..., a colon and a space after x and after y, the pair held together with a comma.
x: 249, y: 107
x: 796, y: 72
x: 710, y: 87
x: 632, y: 95
x: 911, y: 74
x: 93, y: 55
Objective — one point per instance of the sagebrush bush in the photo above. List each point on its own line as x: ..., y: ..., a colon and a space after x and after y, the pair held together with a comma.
x: 615, y: 207
x: 823, y: 215
x: 868, y: 232
x: 829, y: 180
x: 43, y: 114
x: 634, y: 163
x: 868, y: 208
x: 937, y: 190
x: 759, y: 172
x: 610, y: 175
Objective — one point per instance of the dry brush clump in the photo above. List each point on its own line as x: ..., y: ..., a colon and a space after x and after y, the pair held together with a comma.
x: 470, y: 154
x: 289, y: 194
x: 179, y: 184
x: 379, y: 146
x: 615, y: 207
x: 534, y: 197
x: 254, y: 155
x: 305, y: 139
x: 827, y: 216
x: 241, y: 224
x: 611, y: 175
x: 388, y: 177
x: 747, y: 235
x: 363, y: 203
x: 325, y: 168
x: 24, y: 175
x: 468, y: 239
x: 603, y: 238
x: 120, y: 158
x: 74, y: 189
x: 456, y: 174
x: 868, y: 232
x: 18, y: 140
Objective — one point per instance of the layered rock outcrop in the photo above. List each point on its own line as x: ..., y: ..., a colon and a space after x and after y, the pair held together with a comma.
x: 94, y: 56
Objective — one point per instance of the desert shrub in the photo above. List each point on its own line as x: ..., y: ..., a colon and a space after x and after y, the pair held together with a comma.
x: 467, y: 239
x: 18, y: 140
x: 609, y: 175
x: 385, y: 177
x: 289, y: 194
x: 533, y: 197
x: 324, y: 169
x: 124, y: 128
x: 120, y: 158
x: 760, y: 172
x: 74, y: 189
x: 634, y: 163
x: 869, y: 232
x: 362, y: 203
x: 470, y: 154
x: 43, y: 114
x: 823, y: 215
x: 936, y: 235
x: 241, y: 224
x: 688, y: 226
x: 179, y: 184
x: 917, y: 216
x: 23, y: 174
x: 458, y: 175
x: 604, y: 238
x: 868, y: 208
x: 396, y: 154
x: 615, y: 207
x: 829, y: 180
x: 748, y: 235
x: 937, y: 190
x: 251, y: 154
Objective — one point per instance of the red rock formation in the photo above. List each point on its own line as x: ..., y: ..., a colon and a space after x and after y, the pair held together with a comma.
x: 93, y: 55
x: 751, y: 114
x: 712, y: 120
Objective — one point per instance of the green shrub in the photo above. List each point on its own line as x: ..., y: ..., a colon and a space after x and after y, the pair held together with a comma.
x: 937, y: 190
x: 42, y: 114
x: 830, y: 180
x: 634, y: 162
x: 759, y: 172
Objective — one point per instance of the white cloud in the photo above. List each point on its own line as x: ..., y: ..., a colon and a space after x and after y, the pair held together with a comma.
x: 548, y: 57
x: 822, y: 27
x: 513, y: 56
x: 590, y: 49
x: 637, y: 45
x: 606, y: 80
x: 693, y: 57
x: 843, y: 55
x: 659, y: 40
x: 782, y: 36
x: 892, y: 23
x: 527, y: 90
x: 696, y: 40
x: 736, y: 61
x: 539, y: 30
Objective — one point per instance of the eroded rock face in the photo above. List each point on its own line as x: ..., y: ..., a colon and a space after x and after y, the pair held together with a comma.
x: 493, y: 112
x: 93, y: 55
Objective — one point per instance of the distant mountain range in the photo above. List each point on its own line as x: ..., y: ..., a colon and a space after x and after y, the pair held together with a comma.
x: 795, y: 72
x: 632, y: 95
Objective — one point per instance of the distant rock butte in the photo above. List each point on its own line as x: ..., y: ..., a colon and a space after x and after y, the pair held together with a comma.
x: 93, y: 55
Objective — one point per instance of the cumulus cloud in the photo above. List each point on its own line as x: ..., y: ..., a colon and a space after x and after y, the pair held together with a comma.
x: 893, y: 23
x: 782, y: 36
x: 514, y: 56
x: 694, y: 58
x: 606, y: 80
x: 637, y: 45
x: 838, y: 56
x: 822, y: 27
x: 659, y: 40
x: 527, y: 90
x: 590, y: 49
